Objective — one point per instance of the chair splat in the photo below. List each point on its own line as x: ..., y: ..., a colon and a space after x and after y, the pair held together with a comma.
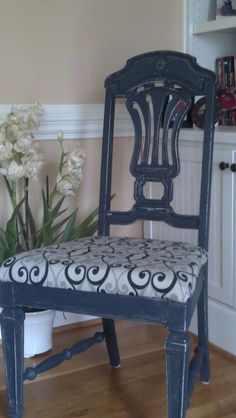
x: 157, y: 113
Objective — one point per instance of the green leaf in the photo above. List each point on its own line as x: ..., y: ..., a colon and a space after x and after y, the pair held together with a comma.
x: 45, y: 208
x: 8, y: 187
x: 46, y: 236
x: 90, y: 217
x: 58, y: 225
x: 32, y: 227
x: 11, y: 234
x: 55, y: 211
x: 89, y: 231
x: 3, y: 249
x: 46, y: 230
x: 83, y: 229
x: 69, y: 231
x: 92, y: 228
x: 19, y: 216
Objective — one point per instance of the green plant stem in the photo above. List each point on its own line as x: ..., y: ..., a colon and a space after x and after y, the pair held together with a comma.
x: 26, y: 186
x: 50, y: 196
x: 9, y: 189
x: 14, y: 204
x: 13, y: 190
x: 63, y: 154
x: 47, y: 189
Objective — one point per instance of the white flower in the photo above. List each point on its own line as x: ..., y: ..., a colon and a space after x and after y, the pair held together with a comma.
x: 19, y: 154
x: 36, y: 113
x: 12, y: 132
x: 70, y: 175
x: 2, y: 135
x: 12, y: 117
x: 33, y: 161
x: 73, y: 170
x: 5, y: 151
x: 3, y: 171
x: 32, y: 165
x: 14, y: 171
x: 27, y: 119
x: 23, y: 144
x: 74, y: 161
x: 60, y: 135
x: 65, y: 185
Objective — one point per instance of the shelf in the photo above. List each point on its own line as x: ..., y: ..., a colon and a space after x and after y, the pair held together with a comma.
x: 222, y: 24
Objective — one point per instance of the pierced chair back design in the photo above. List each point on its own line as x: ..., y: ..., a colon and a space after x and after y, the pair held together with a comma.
x: 146, y: 280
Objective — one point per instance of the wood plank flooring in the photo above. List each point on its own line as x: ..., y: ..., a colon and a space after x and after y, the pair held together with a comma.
x: 87, y: 387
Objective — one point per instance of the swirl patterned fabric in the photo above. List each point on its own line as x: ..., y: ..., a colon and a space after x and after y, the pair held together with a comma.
x: 124, y: 266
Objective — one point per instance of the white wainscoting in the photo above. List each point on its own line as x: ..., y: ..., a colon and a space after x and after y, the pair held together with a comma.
x: 78, y: 121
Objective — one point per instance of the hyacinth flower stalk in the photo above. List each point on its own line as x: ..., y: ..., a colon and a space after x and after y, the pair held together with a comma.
x: 20, y: 159
x: 66, y: 184
x: 20, y: 163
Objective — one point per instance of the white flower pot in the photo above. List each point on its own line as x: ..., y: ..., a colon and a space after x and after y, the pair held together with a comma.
x: 38, y: 328
x: 38, y: 332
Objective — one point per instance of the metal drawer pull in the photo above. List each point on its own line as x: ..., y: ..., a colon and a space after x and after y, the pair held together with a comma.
x: 224, y: 165
x: 233, y: 167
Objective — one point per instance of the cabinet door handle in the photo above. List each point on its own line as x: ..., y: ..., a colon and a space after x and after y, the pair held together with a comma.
x: 224, y: 165
x: 233, y: 167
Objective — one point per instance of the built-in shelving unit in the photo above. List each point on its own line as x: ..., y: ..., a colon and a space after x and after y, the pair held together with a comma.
x: 223, y: 24
x: 208, y: 38
x: 204, y: 36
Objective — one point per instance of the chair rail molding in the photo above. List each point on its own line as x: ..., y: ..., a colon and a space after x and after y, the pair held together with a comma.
x: 78, y: 121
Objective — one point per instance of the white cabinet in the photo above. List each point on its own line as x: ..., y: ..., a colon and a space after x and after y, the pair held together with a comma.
x: 207, y: 38
x: 222, y: 303
x: 222, y: 219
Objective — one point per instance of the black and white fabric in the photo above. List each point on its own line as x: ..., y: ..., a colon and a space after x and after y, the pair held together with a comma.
x: 124, y: 266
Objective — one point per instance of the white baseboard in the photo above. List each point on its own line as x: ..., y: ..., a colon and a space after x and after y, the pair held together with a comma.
x: 67, y: 318
x: 222, y: 320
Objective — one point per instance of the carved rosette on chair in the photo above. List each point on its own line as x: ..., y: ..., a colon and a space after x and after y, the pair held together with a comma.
x: 138, y: 279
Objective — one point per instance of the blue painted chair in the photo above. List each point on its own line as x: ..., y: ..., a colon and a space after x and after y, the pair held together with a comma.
x: 143, y: 280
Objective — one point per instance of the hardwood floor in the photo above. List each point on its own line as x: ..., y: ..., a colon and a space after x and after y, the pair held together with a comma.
x: 87, y: 387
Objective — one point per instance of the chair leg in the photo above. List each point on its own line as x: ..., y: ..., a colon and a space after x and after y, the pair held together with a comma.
x: 12, y: 324
x: 202, y: 312
x: 177, y: 352
x: 111, y: 342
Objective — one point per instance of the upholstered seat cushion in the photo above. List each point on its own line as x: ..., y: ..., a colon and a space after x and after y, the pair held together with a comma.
x: 126, y: 266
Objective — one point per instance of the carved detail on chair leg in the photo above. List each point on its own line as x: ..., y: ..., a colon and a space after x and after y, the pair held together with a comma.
x: 111, y: 342
x: 12, y: 323
x: 203, y: 335
x: 177, y: 351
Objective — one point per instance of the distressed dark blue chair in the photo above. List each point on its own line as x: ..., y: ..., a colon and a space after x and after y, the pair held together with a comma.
x: 143, y: 280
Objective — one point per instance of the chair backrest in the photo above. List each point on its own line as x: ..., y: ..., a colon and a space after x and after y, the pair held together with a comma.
x: 159, y: 89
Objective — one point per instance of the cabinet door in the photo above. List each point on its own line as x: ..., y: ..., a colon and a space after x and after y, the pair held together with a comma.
x: 186, y: 197
x: 221, y: 244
